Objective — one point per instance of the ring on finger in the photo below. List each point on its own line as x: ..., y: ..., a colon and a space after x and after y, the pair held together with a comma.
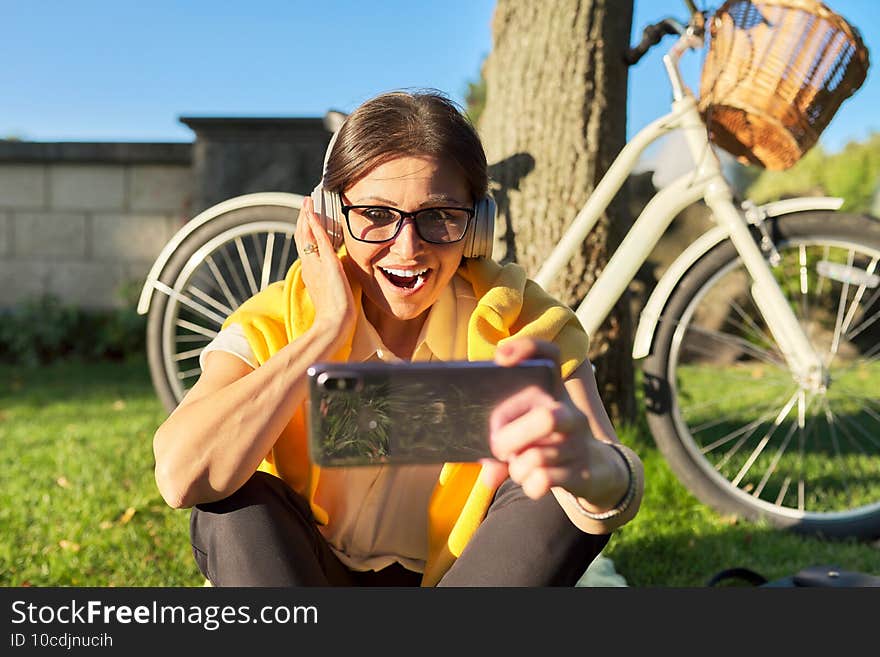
x: 310, y: 248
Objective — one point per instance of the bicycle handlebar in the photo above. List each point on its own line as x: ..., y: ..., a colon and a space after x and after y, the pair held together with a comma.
x: 651, y: 36
x: 692, y: 7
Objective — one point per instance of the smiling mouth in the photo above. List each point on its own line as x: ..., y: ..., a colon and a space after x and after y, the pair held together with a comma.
x: 408, y: 279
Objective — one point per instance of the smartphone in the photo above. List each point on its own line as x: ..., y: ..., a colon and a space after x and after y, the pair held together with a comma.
x: 412, y: 412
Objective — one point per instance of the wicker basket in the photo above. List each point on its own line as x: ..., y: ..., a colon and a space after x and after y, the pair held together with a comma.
x: 775, y: 73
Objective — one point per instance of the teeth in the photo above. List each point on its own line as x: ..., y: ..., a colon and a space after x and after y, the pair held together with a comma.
x: 406, y: 273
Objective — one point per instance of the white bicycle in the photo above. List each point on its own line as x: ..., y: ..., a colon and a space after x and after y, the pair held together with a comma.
x: 759, y: 343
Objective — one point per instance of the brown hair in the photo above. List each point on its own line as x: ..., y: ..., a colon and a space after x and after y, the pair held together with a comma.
x: 399, y: 123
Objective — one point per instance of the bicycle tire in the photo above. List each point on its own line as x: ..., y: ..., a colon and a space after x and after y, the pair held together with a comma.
x: 211, y: 273
x: 764, y: 447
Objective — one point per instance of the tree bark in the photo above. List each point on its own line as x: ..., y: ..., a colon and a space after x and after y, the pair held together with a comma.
x: 554, y: 119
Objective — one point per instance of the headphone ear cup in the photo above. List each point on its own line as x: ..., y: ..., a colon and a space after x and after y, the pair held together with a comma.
x: 328, y: 209
x: 481, y: 241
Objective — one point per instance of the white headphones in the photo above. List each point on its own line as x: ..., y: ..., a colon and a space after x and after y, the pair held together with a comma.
x: 478, y: 241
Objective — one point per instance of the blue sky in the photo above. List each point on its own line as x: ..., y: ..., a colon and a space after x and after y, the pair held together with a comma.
x: 102, y: 70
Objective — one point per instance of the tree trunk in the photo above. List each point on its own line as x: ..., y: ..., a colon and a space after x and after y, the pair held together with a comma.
x: 554, y: 119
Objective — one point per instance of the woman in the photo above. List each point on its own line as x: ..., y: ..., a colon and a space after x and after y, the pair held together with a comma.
x: 409, y: 171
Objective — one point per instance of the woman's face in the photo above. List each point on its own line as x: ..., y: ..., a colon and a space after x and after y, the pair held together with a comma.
x: 403, y: 277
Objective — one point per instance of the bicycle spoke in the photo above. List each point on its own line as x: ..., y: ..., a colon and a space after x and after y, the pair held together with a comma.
x: 804, y: 280
x: 864, y: 323
x: 826, y: 252
x: 259, y: 254
x: 207, y: 298
x: 266, y: 272
x: 829, y: 419
x: 846, y: 420
x: 873, y: 415
x: 780, y: 498
x: 748, y: 372
x: 776, y: 459
x: 199, y: 308
x: 838, y: 324
x: 757, y: 330
x: 190, y: 338
x: 700, y: 350
x: 724, y: 338
x: 233, y: 269
x: 749, y: 428
x: 762, y: 354
x: 221, y: 281
x: 857, y: 298
x: 809, y: 311
x: 189, y: 373
x: 196, y: 328
x: 755, y: 372
x: 285, y: 254
x: 798, y: 427
x: 868, y: 358
x: 803, y: 437
x: 859, y: 393
x: 811, y: 304
x: 184, y: 355
x: 744, y: 329
x: 763, y: 442
x: 246, y: 265
x: 739, y: 411
x: 747, y: 432
x: 692, y: 409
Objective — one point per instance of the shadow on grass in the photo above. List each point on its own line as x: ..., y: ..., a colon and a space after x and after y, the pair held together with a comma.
x: 685, y: 558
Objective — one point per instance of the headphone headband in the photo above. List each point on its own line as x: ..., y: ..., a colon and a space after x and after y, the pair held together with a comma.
x: 328, y: 207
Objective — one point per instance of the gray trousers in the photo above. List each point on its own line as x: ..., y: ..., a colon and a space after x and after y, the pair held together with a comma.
x: 264, y: 535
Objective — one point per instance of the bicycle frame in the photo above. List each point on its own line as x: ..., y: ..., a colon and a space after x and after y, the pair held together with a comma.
x: 706, y: 181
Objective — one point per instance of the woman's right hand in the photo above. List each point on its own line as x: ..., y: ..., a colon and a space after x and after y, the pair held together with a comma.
x: 233, y: 415
x: 324, y: 275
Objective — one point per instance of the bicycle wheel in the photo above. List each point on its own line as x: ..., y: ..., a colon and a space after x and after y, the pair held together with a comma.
x: 213, y: 271
x: 732, y: 421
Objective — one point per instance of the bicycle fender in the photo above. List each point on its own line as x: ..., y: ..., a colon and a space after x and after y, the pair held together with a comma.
x: 650, y: 315
x: 800, y: 204
x: 282, y: 199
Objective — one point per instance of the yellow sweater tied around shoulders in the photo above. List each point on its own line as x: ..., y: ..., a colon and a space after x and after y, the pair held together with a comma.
x: 508, y: 304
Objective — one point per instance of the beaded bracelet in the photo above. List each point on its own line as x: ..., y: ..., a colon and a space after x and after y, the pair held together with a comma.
x: 624, y: 502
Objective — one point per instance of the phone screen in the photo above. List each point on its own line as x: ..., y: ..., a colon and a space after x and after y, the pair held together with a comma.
x: 375, y: 413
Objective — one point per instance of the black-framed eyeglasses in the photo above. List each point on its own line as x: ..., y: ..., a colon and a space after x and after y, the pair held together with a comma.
x: 378, y: 223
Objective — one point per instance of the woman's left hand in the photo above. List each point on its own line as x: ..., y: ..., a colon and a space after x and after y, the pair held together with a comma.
x: 542, y: 442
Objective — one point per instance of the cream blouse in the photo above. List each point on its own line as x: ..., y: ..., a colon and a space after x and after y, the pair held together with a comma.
x: 365, y: 504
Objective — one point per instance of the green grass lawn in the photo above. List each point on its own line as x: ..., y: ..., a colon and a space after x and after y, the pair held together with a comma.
x: 79, y: 507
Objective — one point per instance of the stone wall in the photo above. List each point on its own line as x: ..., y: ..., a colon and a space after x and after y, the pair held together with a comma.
x: 234, y: 156
x: 82, y: 221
